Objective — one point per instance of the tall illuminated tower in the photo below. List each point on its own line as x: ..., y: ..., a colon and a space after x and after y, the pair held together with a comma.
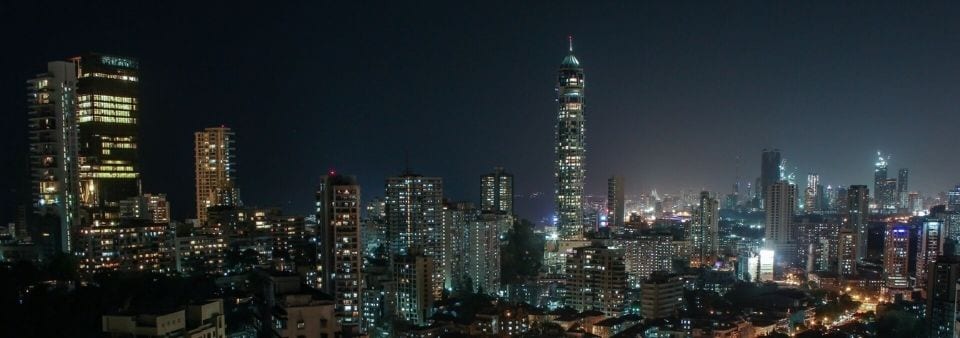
x: 414, y: 215
x: 703, y: 231
x: 51, y: 99
x: 216, y: 169
x: 570, y: 148
x: 879, y: 180
x: 496, y: 192
x: 340, y: 254
x: 781, y: 204
x: 107, y: 115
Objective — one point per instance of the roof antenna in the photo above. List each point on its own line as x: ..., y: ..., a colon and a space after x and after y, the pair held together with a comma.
x: 406, y: 161
x: 570, y: 40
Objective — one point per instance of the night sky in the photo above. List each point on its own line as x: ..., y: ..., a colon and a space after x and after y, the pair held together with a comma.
x: 675, y: 91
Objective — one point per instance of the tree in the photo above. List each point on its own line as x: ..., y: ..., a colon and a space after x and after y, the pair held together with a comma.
x: 522, y: 254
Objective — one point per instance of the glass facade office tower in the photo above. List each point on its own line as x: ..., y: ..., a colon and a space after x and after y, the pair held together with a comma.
x: 82, y: 118
x: 340, y: 255
x: 51, y: 100
x: 570, y: 148
x: 216, y: 169
x: 107, y: 115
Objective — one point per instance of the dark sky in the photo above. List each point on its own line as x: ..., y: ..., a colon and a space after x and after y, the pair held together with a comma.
x: 675, y: 90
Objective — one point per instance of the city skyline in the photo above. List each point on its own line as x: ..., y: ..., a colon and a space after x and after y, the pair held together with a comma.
x: 445, y: 171
x: 656, y: 88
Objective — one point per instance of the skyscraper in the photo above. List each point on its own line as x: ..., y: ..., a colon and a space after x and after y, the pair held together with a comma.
x: 769, y: 171
x: 496, y: 192
x: 615, y: 203
x: 51, y: 100
x: 107, y: 115
x: 703, y: 231
x: 929, y: 248
x: 953, y: 198
x: 942, y: 297
x: 810, y: 196
x: 570, y: 148
x: 338, y: 226
x: 414, y: 210
x: 847, y: 248
x: 855, y: 215
x: 879, y: 176
x: 896, y: 256
x: 216, y: 169
x: 903, y: 190
x: 481, y: 252
x: 781, y: 206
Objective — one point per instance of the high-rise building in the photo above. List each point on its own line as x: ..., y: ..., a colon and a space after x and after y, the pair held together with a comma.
x: 646, y: 254
x: 896, y: 256
x: 889, y: 196
x: 52, y: 121
x: 481, y: 254
x: 781, y: 204
x: 340, y: 254
x: 107, y: 117
x: 769, y: 171
x: 216, y: 169
x: 817, y: 241
x: 929, y: 248
x: 413, y: 274
x: 457, y: 218
x: 703, y: 231
x: 953, y: 198
x: 942, y: 297
x: 810, y: 196
x: 879, y: 176
x: 597, y: 279
x: 153, y: 207
x: 903, y: 190
x: 615, y: 202
x: 414, y: 215
x: 496, y: 192
x: 856, y: 214
x: 570, y: 148
x: 847, y: 247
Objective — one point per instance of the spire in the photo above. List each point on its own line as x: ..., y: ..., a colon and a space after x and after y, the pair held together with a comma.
x: 570, y: 40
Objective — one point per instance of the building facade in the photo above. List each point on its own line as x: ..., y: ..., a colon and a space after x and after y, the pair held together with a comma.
x: 615, y: 203
x: 781, y: 204
x: 340, y: 255
x: 496, y: 192
x: 570, y: 148
x: 414, y: 216
x: 215, y: 170
x: 54, y: 178
x: 704, y: 231
x: 597, y: 279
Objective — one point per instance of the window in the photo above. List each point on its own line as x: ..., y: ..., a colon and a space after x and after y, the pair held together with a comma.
x: 301, y: 324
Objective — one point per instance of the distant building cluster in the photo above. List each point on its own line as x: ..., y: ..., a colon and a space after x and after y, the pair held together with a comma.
x: 415, y: 263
